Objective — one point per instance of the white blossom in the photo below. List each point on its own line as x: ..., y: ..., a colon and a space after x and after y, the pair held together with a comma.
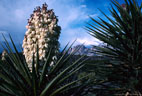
x: 40, y: 31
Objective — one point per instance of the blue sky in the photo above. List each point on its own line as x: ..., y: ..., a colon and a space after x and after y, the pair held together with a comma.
x: 72, y: 16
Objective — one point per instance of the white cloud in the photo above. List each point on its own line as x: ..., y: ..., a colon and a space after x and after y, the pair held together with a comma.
x: 80, y: 34
x: 93, y: 15
x: 88, y: 41
x: 69, y: 17
x: 70, y: 14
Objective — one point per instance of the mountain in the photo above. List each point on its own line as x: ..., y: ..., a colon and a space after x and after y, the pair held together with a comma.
x: 83, y: 50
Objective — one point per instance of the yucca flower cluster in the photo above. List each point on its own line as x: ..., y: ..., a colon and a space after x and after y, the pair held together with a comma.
x: 42, y: 30
x: 4, y: 54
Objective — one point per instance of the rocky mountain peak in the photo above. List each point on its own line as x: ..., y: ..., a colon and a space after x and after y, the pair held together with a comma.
x: 82, y: 50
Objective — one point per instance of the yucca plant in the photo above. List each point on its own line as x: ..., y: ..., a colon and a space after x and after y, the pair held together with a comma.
x: 16, y: 78
x: 40, y: 70
x: 122, y: 36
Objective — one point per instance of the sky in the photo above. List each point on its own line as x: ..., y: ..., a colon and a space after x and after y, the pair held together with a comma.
x: 72, y: 15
